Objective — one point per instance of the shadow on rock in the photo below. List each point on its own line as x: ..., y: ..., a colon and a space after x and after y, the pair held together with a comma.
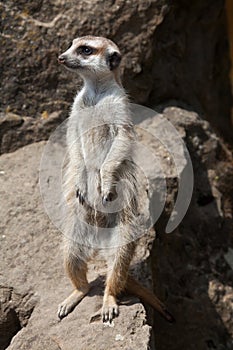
x: 192, y: 272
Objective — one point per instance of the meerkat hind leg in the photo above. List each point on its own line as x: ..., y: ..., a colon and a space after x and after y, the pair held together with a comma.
x: 77, y: 274
x: 116, y: 281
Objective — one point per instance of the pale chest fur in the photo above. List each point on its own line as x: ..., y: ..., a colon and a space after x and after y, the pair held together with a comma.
x: 95, y: 128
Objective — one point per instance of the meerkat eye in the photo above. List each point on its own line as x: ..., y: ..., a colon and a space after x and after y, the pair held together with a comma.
x: 86, y: 50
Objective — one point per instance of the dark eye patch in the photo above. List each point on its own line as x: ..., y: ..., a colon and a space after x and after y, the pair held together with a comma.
x: 85, y: 50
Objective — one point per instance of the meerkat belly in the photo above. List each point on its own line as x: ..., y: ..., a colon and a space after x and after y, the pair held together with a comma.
x: 96, y: 144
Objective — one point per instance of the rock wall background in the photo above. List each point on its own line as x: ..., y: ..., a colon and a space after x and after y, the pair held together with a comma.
x: 173, y: 50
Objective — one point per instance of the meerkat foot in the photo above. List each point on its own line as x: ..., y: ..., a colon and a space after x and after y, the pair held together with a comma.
x: 110, y: 309
x: 69, y: 303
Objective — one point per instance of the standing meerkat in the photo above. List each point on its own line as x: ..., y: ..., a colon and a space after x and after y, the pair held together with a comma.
x: 100, y: 179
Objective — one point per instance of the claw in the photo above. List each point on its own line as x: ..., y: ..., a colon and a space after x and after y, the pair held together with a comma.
x: 81, y: 199
x: 104, y: 200
x: 116, y: 311
x: 109, y: 313
x: 105, y: 317
x: 80, y: 196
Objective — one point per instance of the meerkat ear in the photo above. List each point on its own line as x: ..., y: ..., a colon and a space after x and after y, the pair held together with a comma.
x: 113, y: 60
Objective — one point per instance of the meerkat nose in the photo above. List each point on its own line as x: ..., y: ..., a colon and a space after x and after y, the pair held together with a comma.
x: 61, y: 59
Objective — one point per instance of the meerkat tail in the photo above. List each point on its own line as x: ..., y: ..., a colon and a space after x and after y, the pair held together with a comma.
x: 135, y: 288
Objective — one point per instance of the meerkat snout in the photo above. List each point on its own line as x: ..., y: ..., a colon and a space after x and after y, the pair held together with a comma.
x: 61, y: 59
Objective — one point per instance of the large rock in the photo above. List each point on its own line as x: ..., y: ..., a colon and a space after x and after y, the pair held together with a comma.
x: 17, y: 131
x: 171, y: 51
x: 192, y: 267
x: 33, y: 281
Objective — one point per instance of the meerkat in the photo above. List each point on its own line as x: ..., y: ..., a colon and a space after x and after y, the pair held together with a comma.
x: 102, y: 215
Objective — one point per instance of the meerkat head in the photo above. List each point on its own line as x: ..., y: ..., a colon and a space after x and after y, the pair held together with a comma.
x: 91, y: 55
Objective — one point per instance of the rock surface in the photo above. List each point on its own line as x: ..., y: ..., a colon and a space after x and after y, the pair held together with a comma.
x: 32, y: 279
x: 171, y: 51
x: 191, y: 268
x: 17, y: 131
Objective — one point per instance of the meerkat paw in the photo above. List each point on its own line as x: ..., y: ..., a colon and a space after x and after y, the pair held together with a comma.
x: 69, y: 303
x: 110, y: 309
x: 109, y: 194
x: 108, y: 197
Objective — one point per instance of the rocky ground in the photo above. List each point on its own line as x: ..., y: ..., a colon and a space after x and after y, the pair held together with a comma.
x: 191, y: 269
x: 33, y: 282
